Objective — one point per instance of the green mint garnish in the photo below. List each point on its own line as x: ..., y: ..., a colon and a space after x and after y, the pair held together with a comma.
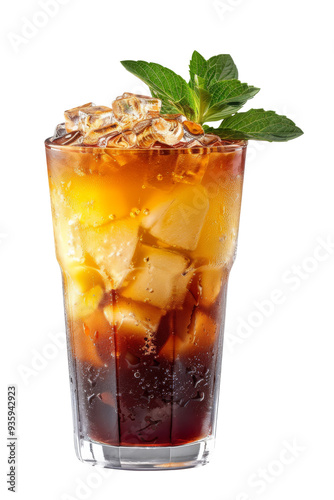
x: 214, y: 93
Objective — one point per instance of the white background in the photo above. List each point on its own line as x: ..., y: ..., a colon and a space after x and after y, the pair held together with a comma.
x: 278, y: 376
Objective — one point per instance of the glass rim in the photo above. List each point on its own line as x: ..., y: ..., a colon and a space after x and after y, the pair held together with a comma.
x: 230, y: 146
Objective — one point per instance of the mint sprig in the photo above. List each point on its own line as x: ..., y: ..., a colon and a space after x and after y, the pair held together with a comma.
x: 214, y: 93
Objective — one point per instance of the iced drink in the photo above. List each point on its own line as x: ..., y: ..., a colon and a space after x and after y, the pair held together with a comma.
x: 146, y: 212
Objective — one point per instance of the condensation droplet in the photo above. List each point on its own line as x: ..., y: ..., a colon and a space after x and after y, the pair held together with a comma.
x: 160, y: 177
x: 136, y: 374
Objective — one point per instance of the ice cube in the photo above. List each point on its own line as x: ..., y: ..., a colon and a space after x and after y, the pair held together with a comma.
x: 73, y: 138
x: 67, y: 233
x: 193, y: 143
x: 156, y: 206
x: 199, y: 337
x: 207, y: 283
x: 183, y: 317
x: 217, y: 243
x: 133, y: 317
x: 191, y: 167
x: 173, y: 167
x: 95, y: 118
x: 194, y: 333
x: 168, y: 350
x: 147, y: 137
x: 167, y: 132
x: 81, y: 305
x: 112, y: 247
x: 130, y: 108
x: 72, y: 116
x: 95, y: 200
x: 124, y: 140
x: 83, y: 345
x: 157, y: 278
x: 151, y: 105
x: 211, y: 282
x: 60, y: 131
x: 160, y: 169
x: 211, y: 140
x: 141, y: 125
x: 203, y: 331
x: 135, y: 325
x: 84, y: 277
x: 101, y: 333
x: 176, y: 116
x: 179, y: 223
x: 181, y: 287
x: 94, y: 136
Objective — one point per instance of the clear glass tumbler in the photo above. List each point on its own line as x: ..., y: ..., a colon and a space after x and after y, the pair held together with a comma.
x: 145, y: 240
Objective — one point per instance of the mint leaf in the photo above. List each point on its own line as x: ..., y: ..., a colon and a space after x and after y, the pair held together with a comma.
x: 166, y: 108
x: 171, y: 88
x: 203, y: 97
x: 259, y: 125
x: 227, y: 97
x: 221, y: 67
x: 197, y: 66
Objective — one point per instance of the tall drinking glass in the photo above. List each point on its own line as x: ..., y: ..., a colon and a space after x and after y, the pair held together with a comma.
x: 145, y: 240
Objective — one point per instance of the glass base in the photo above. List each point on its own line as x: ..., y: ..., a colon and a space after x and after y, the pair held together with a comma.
x: 145, y: 458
